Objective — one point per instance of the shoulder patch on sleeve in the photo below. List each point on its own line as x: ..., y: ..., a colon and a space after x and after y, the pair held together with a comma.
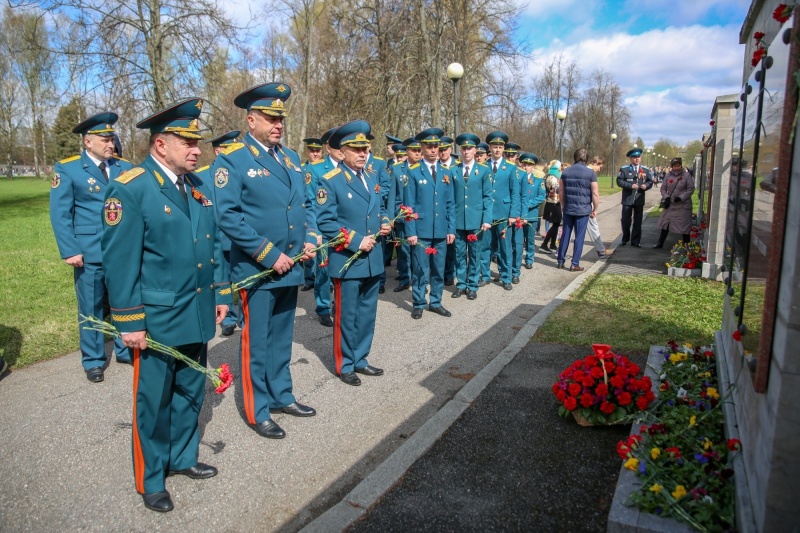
x: 70, y: 159
x: 202, y: 169
x: 332, y: 173
x: 232, y: 148
x: 412, y: 167
x: 130, y: 175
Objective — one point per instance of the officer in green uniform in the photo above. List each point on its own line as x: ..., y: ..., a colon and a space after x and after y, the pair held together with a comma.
x: 76, y: 201
x: 377, y: 165
x: 218, y: 144
x: 512, y: 151
x: 350, y: 197
x: 166, y: 279
x: 314, y: 153
x: 263, y: 207
x: 411, y: 149
x: 534, y: 194
x: 472, y: 190
x: 313, y: 150
x: 322, y: 281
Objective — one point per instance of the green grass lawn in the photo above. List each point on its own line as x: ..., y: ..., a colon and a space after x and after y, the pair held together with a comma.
x: 38, y: 310
x: 631, y: 313
x: 604, y: 184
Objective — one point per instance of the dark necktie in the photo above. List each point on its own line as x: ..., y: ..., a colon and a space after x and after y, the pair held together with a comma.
x: 274, y: 151
x: 433, y: 172
x: 466, y: 174
x: 102, y: 166
x: 494, y: 168
x: 182, y: 188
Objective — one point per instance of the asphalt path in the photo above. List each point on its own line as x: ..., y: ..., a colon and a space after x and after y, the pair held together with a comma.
x: 66, y: 442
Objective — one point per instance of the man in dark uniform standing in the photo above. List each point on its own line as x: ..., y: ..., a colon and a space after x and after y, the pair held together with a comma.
x: 166, y: 279
x: 76, y: 201
x: 263, y: 207
x: 634, y: 180
x: 350, y: 197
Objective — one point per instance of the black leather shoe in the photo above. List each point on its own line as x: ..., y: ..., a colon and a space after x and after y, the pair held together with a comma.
x: 658, y: 245
x: 401, y: 288
x: 326, y: 321
x: 227, y: 331
x: 381, y: 289
x: 559, y: 265
x: 529, y: 265
x: 95, y: 375
x: 307, y: 287
x: 439, y: 310
x: 416, y: 313
x: 508, y: 286
x: 483, y: 283
x: 623, y: 243
x: 515, y: 279
x: 296, y: 409
x: 158, y: 501
x: 636, y: 245
x: 198, y: 471
x: 449, y: 282
x: 269, y: 429
x: 458, y: 293
x: 351, y: 379
x: 124, y: 361
x: 370, y: 370
x: 471, y: 295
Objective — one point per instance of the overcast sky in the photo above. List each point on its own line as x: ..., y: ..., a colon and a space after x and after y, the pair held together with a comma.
x: 671, y: 58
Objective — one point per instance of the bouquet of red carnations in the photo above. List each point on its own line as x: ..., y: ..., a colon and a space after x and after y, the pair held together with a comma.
x: 602, y: 388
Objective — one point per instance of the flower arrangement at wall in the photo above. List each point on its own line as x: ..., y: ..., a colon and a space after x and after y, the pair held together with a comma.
x: 686, y: 255
x: 680, y: 454
x: 602, y: 388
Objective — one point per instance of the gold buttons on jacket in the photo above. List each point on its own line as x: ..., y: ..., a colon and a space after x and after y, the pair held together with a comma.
x: 208, y: 236
x: 199, y: 265
x: 291, y: 227
x: 199, y: 290
x: 212, y: 260
x: 290, y: 246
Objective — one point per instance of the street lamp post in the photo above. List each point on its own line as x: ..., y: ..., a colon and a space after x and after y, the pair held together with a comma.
x: 561, y: 115
x: 613, y: 151
x: 455, y: 71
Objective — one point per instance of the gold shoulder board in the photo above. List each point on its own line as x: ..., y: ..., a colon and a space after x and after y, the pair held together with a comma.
x: 318, y: 161
x: 484, y: 165
x: 202, y: 169
x: 232, y: 148
x: 69, y: 159
x: 412, y: 167
x: 332, y: 173
x: 130, y: 175
x: 378, y: 158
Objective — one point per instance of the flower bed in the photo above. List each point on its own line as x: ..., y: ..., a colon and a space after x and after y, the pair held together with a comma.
x: 680, y: 455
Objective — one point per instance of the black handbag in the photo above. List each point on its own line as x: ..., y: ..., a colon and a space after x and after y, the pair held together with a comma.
x: 666, y: 202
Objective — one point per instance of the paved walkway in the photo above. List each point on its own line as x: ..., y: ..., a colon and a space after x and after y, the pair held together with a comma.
x: 66, y: 442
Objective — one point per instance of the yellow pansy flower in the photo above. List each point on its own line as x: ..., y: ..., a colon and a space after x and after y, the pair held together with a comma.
x: 655, y: 488
x: 707, y: 444
x: 679, y: 492
x: 693, y: 420
x: 712, y: 393
x: 655, y: 452
x: 632, y: 464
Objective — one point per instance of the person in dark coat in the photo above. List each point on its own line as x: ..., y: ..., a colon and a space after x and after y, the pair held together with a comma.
x: 676, y: 193
x: 580, y: 198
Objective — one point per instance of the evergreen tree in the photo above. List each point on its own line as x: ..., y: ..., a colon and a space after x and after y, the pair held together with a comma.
x: 69, y: 116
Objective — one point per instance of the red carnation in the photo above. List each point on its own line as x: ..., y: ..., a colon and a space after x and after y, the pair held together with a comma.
x: 597, y: 372
x: 587, y: 400
x: 758, y: 35
x: 607, y: 407
x: 518, y: 223
x: 574, y: 389
x: 782, y: 13
x: 472, y: 238
x: 431, y: 250
x: 734, y: 444
x: 617, y: 382
x: 758, y: 55
x: 641, y: 403
x: 624, y: 398
x: 601, y: 390
x: 570, y: 404
x: 737, y: 336
x: 561, y: 395
x: 578, y: 375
